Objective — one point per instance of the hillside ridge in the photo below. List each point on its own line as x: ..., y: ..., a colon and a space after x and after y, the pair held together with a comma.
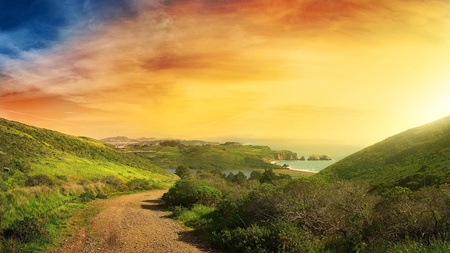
x: 414, y: 158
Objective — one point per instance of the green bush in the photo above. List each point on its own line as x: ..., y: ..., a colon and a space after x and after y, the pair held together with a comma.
x: 311, y: 215
x: 11, y: 246
x: 416, y: 247
x: 254, y: 238
x: 198, y: 217
x: 87, y: 197
x: 183, y: 171
x: 101, y: 196
x: 114, y: 182
x: 26, y: 230
x: 188, y: 192
x: 290, y: 238
x: 39, y: 180
x: 139, y: 184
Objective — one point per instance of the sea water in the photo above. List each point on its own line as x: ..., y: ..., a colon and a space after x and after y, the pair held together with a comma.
x: 313, y: 166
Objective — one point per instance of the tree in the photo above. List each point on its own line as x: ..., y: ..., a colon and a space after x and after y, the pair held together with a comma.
x: 255, y: 175
x: 268, y: 176
x: 230, y: 177
x: 183, y: 171
x: 240, y: 178
x: 170, y: 143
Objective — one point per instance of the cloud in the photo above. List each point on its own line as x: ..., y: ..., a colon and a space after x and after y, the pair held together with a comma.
x: 27, y: 25
x: 238, y: 66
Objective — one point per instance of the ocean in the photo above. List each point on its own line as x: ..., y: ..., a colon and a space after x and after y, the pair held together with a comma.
x: 313, y: 166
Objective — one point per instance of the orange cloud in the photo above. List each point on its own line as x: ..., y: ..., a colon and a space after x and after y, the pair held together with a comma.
x: 189, y: 68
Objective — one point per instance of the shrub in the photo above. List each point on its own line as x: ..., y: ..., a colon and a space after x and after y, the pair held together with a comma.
x: 260, y: 205
x: 188, y: 192
x: 20, y: 164
x: 255, y: 175
x: 26, y: 230
x: 139, y: 184
x: 183, y: 171
x: 10, y: 246
x: 87, y: 197
x: 101, y: 196
x: 39, y: 180
x: 289, y: 238
x: 114, y: 181
x: 251, y: 239
x: 198, y: 217
x: 62, y: 178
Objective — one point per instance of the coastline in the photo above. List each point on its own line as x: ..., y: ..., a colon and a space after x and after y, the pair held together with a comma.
x: 302, y: 170
x: 312, y: 167
x: 295, y: 173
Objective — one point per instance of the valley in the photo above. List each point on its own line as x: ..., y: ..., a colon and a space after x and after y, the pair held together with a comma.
x: 379, y: 195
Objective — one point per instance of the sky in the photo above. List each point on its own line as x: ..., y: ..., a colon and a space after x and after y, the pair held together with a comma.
x: 285, y: 73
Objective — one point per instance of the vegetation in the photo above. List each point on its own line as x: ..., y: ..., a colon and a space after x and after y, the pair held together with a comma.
x: 391, y: 197
x: 227, y: 156
x: 45, y: 176
x: 414, y: 159
x: 310, y: 215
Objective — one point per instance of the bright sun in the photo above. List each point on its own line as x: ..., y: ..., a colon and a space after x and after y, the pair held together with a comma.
x: 438, y: 101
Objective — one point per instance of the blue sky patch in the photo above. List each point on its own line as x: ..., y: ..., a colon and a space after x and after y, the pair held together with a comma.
x: 37, y: 24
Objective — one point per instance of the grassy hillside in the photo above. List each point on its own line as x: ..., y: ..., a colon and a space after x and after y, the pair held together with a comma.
x: 28, y: 150
x: 46, y: 175
x: 229, y: 156
x: 415, y: 158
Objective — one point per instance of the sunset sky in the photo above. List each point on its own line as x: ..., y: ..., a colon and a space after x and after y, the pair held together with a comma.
x: 277, y: 72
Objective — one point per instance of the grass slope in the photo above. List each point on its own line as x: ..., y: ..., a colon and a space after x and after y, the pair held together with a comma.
x: 209, y: 157
x: 27, y: 150
x: 45, y: 176
x: 415, y: 158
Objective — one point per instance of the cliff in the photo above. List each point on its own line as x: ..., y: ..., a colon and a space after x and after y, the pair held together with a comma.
x: 285, y: 155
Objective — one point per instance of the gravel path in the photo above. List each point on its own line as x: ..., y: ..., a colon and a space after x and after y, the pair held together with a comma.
x: 133, y: 223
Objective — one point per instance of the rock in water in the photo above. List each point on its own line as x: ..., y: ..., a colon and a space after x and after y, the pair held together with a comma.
x: 318, y: 157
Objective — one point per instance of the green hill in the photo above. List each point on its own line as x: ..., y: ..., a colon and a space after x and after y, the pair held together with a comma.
x: 26, y: 151
x: 45, y: 176
x: 415, y: 158
x: 227, y: 156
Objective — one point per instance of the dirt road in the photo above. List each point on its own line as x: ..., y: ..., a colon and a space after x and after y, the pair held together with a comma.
x: 132, y: 223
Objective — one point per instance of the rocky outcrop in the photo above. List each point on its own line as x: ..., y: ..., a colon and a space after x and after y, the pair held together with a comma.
x: 285, y: 155
x: 302, y: 158
x: 318, y: 157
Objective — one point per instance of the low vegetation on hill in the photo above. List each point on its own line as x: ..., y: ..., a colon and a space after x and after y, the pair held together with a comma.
x: 416, y: 158
x: 391, y: 197
x: 45, y: 176
x: 227, y: 156
x: 265, y: 213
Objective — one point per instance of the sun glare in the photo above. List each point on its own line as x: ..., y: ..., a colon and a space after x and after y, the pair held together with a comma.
x: 438, y: 101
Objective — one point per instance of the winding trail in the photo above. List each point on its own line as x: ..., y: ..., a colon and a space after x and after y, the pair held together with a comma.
x: 132, y: 223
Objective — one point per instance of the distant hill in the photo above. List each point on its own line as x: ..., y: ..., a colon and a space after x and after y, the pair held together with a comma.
x: 415, y: 158
x: 227, y: 156
x: 122, y: 141
x: 27, y: 151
